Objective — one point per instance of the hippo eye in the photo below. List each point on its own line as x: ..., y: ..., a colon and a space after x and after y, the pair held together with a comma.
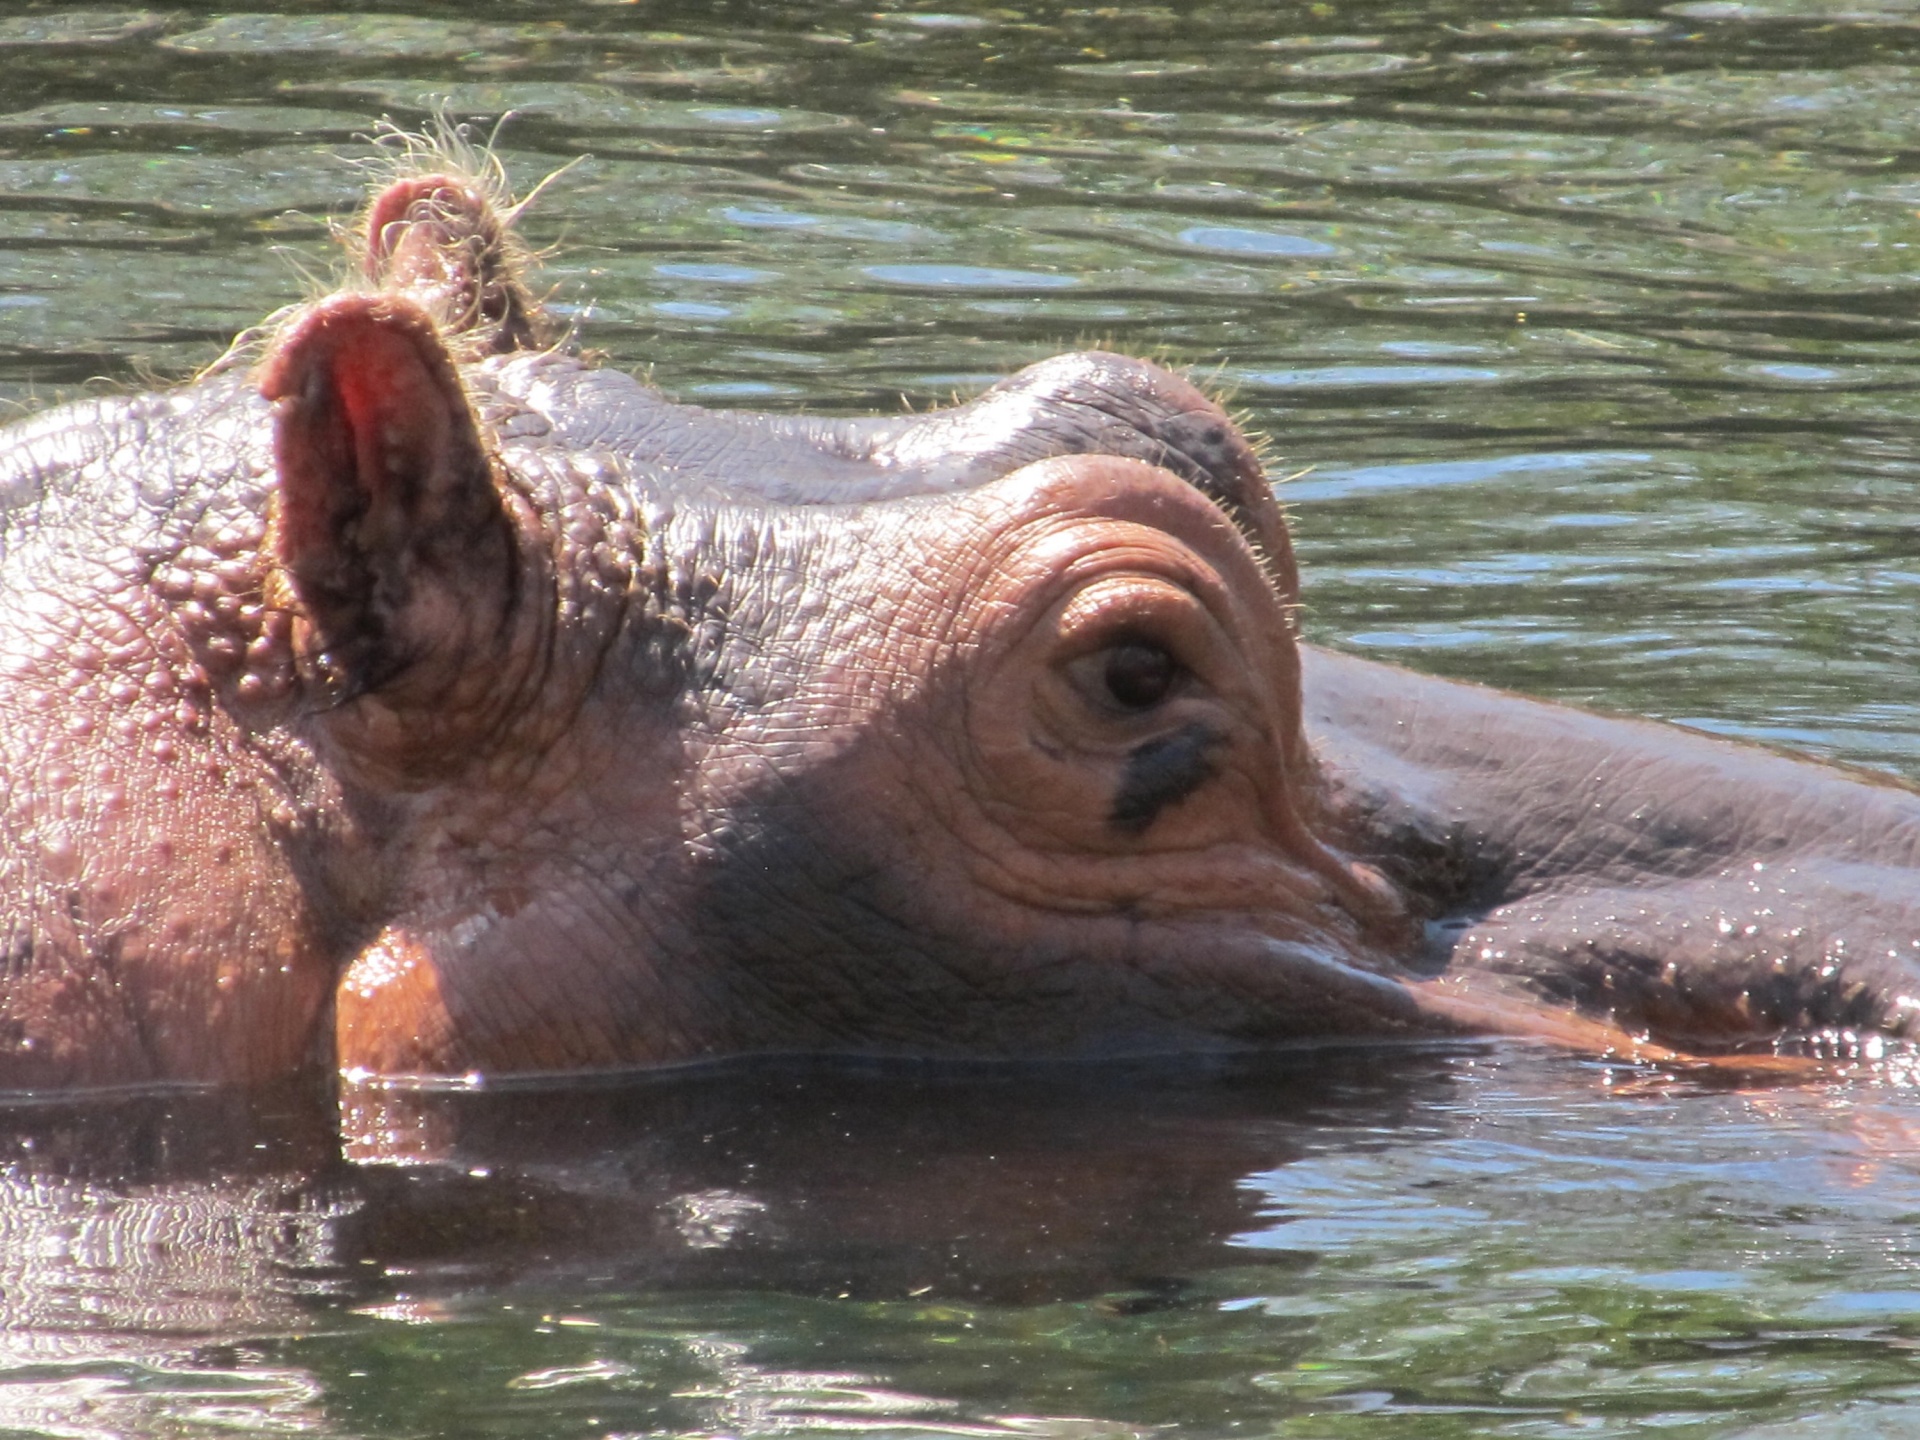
x: 1139, y: 674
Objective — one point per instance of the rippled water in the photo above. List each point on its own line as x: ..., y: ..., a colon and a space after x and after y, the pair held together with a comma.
x: 1590, y: 331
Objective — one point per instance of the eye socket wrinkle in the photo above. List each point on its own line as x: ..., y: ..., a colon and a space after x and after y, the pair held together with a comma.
x: 1162, y: 771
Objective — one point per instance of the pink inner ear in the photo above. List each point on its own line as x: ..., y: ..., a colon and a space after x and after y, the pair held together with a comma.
x: 361, y: 414
x: 395, y: 412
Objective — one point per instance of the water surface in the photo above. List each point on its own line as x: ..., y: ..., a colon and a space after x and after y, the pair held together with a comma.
x: 1588, y: 334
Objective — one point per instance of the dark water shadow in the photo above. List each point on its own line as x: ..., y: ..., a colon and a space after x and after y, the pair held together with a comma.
x: 223, y: 1215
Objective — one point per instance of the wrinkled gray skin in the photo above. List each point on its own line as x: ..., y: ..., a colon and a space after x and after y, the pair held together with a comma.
x: 1708, y: 891
x: 467, y: 707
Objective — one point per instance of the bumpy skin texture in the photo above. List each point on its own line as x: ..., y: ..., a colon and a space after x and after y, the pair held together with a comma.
x: 428, y: 702
x: 158, y: 917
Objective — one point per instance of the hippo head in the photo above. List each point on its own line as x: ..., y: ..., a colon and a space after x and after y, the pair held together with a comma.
x: 674, y: 733
x: 433, y: 700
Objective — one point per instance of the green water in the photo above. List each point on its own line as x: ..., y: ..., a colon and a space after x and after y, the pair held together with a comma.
x: 1591, y: 328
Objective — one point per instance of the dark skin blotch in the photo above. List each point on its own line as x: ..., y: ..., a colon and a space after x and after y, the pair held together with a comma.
x: 1162, y: 772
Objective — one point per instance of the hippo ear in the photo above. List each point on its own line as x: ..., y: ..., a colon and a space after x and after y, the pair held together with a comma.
x: 388, y: 527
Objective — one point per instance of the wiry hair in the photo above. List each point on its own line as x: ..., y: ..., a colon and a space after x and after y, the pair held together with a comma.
x: 445, y: 146
x: 442, y: 146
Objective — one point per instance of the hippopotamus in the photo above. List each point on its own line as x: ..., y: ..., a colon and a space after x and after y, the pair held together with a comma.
x: 412, y: 696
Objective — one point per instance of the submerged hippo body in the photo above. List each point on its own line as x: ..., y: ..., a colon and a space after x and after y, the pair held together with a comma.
x: 426, y: 701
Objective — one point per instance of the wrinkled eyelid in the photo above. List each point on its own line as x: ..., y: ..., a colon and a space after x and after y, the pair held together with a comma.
x: 1117, y: 608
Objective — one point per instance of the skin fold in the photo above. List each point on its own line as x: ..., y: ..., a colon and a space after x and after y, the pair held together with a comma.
x: 427, y: 700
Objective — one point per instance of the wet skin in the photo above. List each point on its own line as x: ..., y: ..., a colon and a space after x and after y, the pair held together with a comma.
x: 428, y: 701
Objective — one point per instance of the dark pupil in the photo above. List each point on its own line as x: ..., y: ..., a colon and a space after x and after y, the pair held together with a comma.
x: 1139, y: 674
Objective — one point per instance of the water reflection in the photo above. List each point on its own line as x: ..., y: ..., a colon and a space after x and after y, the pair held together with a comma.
x: 1056, y: 1184
x: 147, y: 1245
x: 164, y: 1256
x: 163, y: 1215
x: 813, y: 1247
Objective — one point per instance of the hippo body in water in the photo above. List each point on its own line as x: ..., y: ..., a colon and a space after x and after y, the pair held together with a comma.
x: 427, y: 701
